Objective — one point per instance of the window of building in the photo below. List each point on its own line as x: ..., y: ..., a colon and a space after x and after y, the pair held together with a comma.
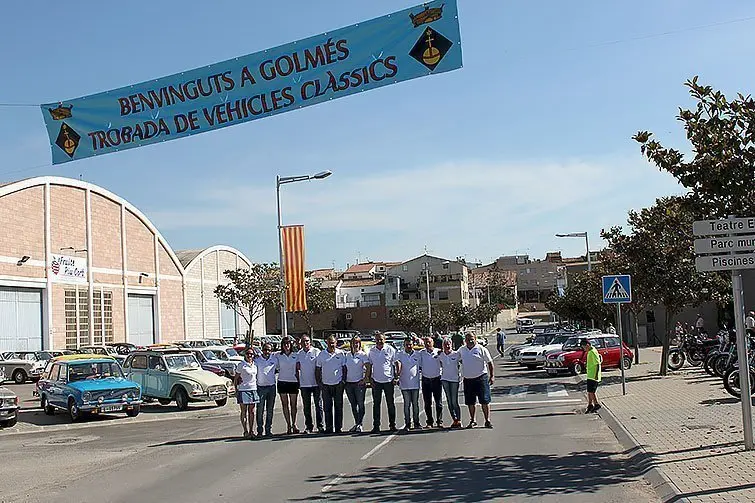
x: 373, y: 315
x: 76, y: 307
x: 443, y: 295
x: 445, y: 266
x: 404, y: 296
x: 348, y: 316
x: 404, y: 268
x: 393, y: 296
x: 417, y: 296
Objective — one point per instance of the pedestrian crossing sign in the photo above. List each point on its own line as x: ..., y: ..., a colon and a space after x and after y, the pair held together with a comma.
x: 617, y: 289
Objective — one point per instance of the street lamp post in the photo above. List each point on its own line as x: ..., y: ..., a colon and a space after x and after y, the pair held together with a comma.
x: 587, y: 248
x: 429, y: 308
x: 281, y: 180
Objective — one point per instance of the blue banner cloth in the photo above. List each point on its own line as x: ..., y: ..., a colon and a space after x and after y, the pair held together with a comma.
x: 412, y: 43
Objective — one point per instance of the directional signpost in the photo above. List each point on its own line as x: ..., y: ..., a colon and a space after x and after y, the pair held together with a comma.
x: 729, y: 245
x: 618, y: 290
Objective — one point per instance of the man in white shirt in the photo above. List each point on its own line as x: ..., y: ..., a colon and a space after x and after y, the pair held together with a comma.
x: 305, y: 373
x: 379, y: 371
x: 266, y: 365
x: 750, y: 323
x: 432, y: 388
x: 407, y: 368
x: 449, y: 379
x: 700, y: 324
x: 355, y: 387
x: 477, y: 378
x: 330, y: 373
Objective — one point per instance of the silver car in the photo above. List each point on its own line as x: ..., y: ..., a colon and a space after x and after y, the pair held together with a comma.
x: 8, y: 405
x: 20, y: 366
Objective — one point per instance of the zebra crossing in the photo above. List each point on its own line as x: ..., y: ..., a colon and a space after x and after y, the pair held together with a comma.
x: 540, y: 394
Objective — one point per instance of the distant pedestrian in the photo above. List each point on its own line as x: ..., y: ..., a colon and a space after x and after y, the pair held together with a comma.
x: 407, y: 368
x: 611, y: 329
x: 355, y: 382
x: 477, y: 369
x: 245, y: 381
x: 700, y: 324
x: 266, y: 366
x: 288, y: 384
x: 310, y: 390
x: 449, y: 379
x: 750, y: 323
x: 593, y: 375
x: 432, y: 389
x: 500, y: 339
x: 330, y: 374
x: 379, y: 371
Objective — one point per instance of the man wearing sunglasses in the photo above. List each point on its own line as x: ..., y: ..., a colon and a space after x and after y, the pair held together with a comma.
x: 305, y: 372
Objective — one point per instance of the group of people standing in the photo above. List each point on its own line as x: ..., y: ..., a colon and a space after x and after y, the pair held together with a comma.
x: 323, y: 377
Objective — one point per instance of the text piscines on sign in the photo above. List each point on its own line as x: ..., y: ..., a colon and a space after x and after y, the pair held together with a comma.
x: 725, y: 262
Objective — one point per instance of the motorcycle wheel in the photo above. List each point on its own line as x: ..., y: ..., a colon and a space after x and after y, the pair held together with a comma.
x: 695, y: 358
x: 675, y: 359
x: 708, y: 365
x: 720, y: 364
x: 731, y: 383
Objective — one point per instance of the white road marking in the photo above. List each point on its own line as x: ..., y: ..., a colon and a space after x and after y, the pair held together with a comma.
x: 524, y: 402
x: 333, y: 482
x: 518, y: 392
x: 378, y: 447
x: 556, y: 390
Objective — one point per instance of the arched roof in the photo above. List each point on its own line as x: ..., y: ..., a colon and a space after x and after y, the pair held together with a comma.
x: 190, y: 257
x: 11, y: 187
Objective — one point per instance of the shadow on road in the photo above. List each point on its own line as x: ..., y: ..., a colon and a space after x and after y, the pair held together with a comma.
x: 483, y: 479
x: 193, y: 441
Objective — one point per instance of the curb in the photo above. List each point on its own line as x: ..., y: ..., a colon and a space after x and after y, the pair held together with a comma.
x: 666, y: 490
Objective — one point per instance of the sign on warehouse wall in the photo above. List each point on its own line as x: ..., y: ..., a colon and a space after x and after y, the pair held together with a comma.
x: 412, y: 43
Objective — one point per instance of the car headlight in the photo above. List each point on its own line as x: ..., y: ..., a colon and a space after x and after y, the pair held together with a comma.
x: 100, y: 399
x: 10, y: 402
x: 196, y: 389
x: 87, y: 396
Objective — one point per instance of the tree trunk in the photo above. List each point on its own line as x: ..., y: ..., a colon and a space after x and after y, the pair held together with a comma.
x: 248, y: 337
x: 666, y: 343
x: 636, y: 337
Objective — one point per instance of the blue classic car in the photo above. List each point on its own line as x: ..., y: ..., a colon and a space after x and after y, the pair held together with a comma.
x: 82, y: 384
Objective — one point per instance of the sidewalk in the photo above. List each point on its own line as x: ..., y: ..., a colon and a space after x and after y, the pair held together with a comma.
x: 689, y: 427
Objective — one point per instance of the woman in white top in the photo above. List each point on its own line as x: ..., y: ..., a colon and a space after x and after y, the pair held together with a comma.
x: 288, y: 385
x: 449, y: 379
x: 245, y: 381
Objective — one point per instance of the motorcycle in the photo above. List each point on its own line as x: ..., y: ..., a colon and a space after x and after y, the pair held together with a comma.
x: 693, y: 349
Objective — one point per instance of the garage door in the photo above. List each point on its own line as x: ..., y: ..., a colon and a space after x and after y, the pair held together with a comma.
x: 141, y: 320
x: 20, y: 319
x: 227, y: 322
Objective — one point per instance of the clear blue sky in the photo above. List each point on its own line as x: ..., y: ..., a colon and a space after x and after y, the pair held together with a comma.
x: 530, y: 138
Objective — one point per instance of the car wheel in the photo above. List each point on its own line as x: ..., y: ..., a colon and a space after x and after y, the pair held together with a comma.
x: 133, y: 412
x: 49, y: 409
x: 73, y: 410
x: 627, y: 363
x: 19, y: 376
x: 10, y: 423
x: 578, y: 368
x: 182, y: 398
x: 221, y: 402
x: 164, y: 401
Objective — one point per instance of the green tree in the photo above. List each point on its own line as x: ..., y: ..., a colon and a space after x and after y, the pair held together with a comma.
x: 410, y: 316
x: 721, y: 173
x: 583, y: 298
x: 662, y: 256
x: 249, y: 291
x: 319, y: 300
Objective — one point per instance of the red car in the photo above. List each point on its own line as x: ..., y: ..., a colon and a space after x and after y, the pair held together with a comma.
x: 573, y: 359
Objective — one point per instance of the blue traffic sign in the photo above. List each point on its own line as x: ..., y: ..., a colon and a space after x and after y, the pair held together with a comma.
x: 617, y: 289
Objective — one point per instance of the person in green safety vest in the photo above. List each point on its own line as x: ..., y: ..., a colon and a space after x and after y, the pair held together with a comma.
x: 593, y: 375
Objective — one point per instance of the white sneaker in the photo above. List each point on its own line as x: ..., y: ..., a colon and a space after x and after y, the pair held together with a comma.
x: 358, y: 428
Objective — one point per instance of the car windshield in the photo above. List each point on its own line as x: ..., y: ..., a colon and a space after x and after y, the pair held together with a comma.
x: 181, y: 362
x: 572, y: 343
x: 231, y: 352
x: 89, y: 371
x: 20, y: 356
x: 540, y: 340
x: 220, y: 354
x: 210, y: 354
x: 216, y: 342
x: 560, y: 339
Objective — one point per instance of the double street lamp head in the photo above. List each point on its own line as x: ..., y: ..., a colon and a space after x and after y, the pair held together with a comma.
x: 302, y: 178
x: 572, y: 235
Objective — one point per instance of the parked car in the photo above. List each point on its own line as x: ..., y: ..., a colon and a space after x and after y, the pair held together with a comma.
x: 8, y: 406
x: 21, y: 366
x: 210, y: 357
x: 534, y: 355
x: 123, y: 348
x: 226, y: 353
x: 538, y: 340
x: 87, y: 383
x: 170, y: 374
x: 524, y: 325
x: 573, y: 359
x: 110, y: 351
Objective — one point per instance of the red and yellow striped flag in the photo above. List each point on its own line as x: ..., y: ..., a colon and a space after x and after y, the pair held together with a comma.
x: 293, y: 266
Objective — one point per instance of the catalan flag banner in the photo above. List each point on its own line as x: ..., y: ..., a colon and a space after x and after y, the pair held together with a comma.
x: 293, y: 265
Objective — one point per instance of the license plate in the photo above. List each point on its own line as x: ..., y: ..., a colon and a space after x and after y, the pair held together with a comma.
x: 552, y: 371
x: 111, y: 408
